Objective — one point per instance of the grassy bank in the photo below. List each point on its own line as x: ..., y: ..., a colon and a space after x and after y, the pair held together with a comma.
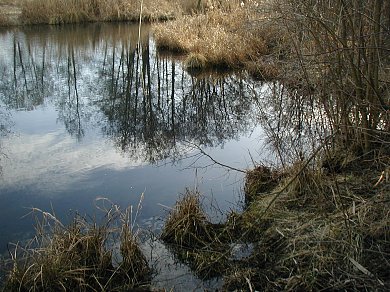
x: 77, y: 11
x: 225, y: 34
x: 308, y: 230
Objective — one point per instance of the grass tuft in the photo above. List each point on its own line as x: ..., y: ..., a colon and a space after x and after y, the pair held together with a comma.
x: 187, y: 224
x: 259, y: 180
x: 195, y: 62
x: 77, y: 258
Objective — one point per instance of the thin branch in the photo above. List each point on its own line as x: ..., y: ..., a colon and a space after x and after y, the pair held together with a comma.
x: 213, y: 160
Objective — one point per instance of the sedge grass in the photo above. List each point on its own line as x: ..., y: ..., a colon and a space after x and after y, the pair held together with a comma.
x: 77, y: 257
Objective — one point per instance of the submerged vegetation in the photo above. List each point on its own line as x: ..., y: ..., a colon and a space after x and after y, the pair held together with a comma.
x: 79, y: 256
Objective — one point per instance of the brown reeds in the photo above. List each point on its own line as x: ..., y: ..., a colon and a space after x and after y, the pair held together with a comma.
x: 222, y: 37
x: 187, y: 224
x: 75, y: 11
x: 193, y: 239
x: 322, y: 231
x: 310, y: 230
x: 78, y: 257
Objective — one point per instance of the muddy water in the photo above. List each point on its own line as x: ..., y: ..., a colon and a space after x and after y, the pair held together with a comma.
x: 89, y: 111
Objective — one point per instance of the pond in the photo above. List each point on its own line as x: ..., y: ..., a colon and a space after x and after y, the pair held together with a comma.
x: 93, y: 111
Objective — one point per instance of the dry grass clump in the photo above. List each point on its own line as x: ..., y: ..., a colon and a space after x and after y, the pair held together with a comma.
x: 77, y: 257
x: 229, y: 34
x: 193, y: 239
x: 74, y: 11
x: 310, y: 188
x: 221, y: 37
x: 260, y: 180
x: 195, y: 62
x: 187, y: 224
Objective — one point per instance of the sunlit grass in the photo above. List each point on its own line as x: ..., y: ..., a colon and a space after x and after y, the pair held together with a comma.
x: 75, y: 11
x: 218, y: 36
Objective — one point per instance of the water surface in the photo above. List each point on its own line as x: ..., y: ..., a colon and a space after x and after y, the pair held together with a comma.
x: 92, y: 111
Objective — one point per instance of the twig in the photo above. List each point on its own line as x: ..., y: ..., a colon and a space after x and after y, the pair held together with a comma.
x: 215, y: 161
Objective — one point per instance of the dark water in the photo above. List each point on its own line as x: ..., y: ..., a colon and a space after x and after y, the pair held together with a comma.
x: 88, y: 112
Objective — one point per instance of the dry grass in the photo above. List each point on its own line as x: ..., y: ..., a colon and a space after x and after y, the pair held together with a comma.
x: 221, y: 36
x: 193, y: 239
x: 195, y: 62
x: 74, y: 11
x: 311, y: 230
x: 323, y: 231
x: 187, y: 224
x: 77, y: 257
x: 9, y: 12
x: 4, y: 21
x: 227, y: 34
x: 260, y: 180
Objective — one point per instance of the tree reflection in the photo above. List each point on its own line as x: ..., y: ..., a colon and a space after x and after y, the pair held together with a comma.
x: 5, y: 127
x: 153, y: 105
x: 103, y: 76
x: 70, y: 108
x: 23, y: 87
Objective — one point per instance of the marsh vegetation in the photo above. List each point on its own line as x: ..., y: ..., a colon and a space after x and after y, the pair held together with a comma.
x: 318, y: 220
x: 318, y: 217
x: 79, y: 256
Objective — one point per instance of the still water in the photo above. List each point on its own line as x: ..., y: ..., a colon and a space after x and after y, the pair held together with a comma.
x: 94, y: 111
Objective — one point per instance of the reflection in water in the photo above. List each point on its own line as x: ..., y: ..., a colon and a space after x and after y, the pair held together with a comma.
x: 145, y: 103
x: 91, y: 111
x: 293, y: 122
x: 4, y: 131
